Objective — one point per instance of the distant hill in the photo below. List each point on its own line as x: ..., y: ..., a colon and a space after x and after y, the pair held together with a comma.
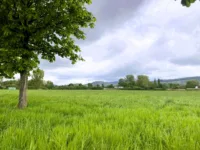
x: 180, y: 80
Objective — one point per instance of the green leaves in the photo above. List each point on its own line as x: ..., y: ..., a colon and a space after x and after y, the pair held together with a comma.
x: 187, y: 3
x: 42, y: 27
x: 192, y: 83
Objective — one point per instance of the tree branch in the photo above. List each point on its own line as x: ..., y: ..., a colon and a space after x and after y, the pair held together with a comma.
x: 2, y: 74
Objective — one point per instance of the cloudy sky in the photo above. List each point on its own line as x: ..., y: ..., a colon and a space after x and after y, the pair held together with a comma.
x: 159, y: 38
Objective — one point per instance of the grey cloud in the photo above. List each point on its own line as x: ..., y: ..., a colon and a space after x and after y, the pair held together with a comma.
x: 185, y: 24
x: 131, y: 68
x: 114, y: 48
x: 110, y: 14
x: 60, y: 62
x: 106, y: 50
x: 144, y: 29
x: 134, y: 67
x: 193, y: 60
x: 160, y: 50
x: 167, y: 48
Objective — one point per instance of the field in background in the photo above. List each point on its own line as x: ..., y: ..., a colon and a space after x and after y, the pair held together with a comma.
x: 106, y: 120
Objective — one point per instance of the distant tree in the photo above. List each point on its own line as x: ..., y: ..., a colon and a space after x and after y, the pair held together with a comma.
x: 192, y: 84
x: 130, y: 80
x: 155, y: 83
x: 33, y: 28
x: 174, y: 85
x: 165, y: 86
x: 79, y: 86
x: 111, y: 86
x: 90, y: 85
x: 143, y: 81
x: 38, y: 74
x: 122, y: 83
x: 151, y: 85
x: 49, y: 85
x: 102, y: 85
x: 182, y: 86
x: 37, y: 81
x: 71, y: 85
x: 10, y: 83
x: 159, y: 85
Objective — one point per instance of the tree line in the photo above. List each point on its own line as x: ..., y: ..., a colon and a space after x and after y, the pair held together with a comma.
x: 129, y: 82
x: 143, y: 83
x: 37, y: 82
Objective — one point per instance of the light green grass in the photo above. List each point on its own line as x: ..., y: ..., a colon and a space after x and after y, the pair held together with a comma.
x: 101, y: 120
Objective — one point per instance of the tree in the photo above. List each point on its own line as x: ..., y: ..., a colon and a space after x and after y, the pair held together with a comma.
x: 111, y: 86
x: 151, y: 85
x: 1, y: 80
x: 90, y: 85
x: 10, y: 83
x: 33, y: 28
x: 71, y: 85
x: 122, y: 83
x: 155, y: 84
x: 49, y: 85
x: 80, y: 85
x: 165, y: 86
x: 159, y: 85
x: 143, y: 81
x: 192, y: 84
x: 37, y: 79
x: 187, y: 3
x: 130, y: 80
x: 174, y: 85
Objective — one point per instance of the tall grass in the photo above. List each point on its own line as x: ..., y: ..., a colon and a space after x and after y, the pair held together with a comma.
x: 101, y: 120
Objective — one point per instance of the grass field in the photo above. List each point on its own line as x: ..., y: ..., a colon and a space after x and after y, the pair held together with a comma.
x: 101, y: 120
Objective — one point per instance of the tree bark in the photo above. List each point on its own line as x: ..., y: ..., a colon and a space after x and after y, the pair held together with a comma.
x: 23, y: 90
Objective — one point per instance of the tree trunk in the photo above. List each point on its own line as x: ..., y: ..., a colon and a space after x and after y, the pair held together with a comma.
x: 22, y: 90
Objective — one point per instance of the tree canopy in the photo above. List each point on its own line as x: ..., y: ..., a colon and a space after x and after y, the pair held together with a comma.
x: 128, y: 81
x: 143, y: 81
x: 42, y: 27
x: 187, y: 3
x: 192, y: 84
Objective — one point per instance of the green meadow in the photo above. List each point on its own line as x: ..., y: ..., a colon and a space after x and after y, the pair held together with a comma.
x: 101, y: 120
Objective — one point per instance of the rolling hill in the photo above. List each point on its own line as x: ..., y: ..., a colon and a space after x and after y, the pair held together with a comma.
x: 181, y: 80
x: 178, y: 80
